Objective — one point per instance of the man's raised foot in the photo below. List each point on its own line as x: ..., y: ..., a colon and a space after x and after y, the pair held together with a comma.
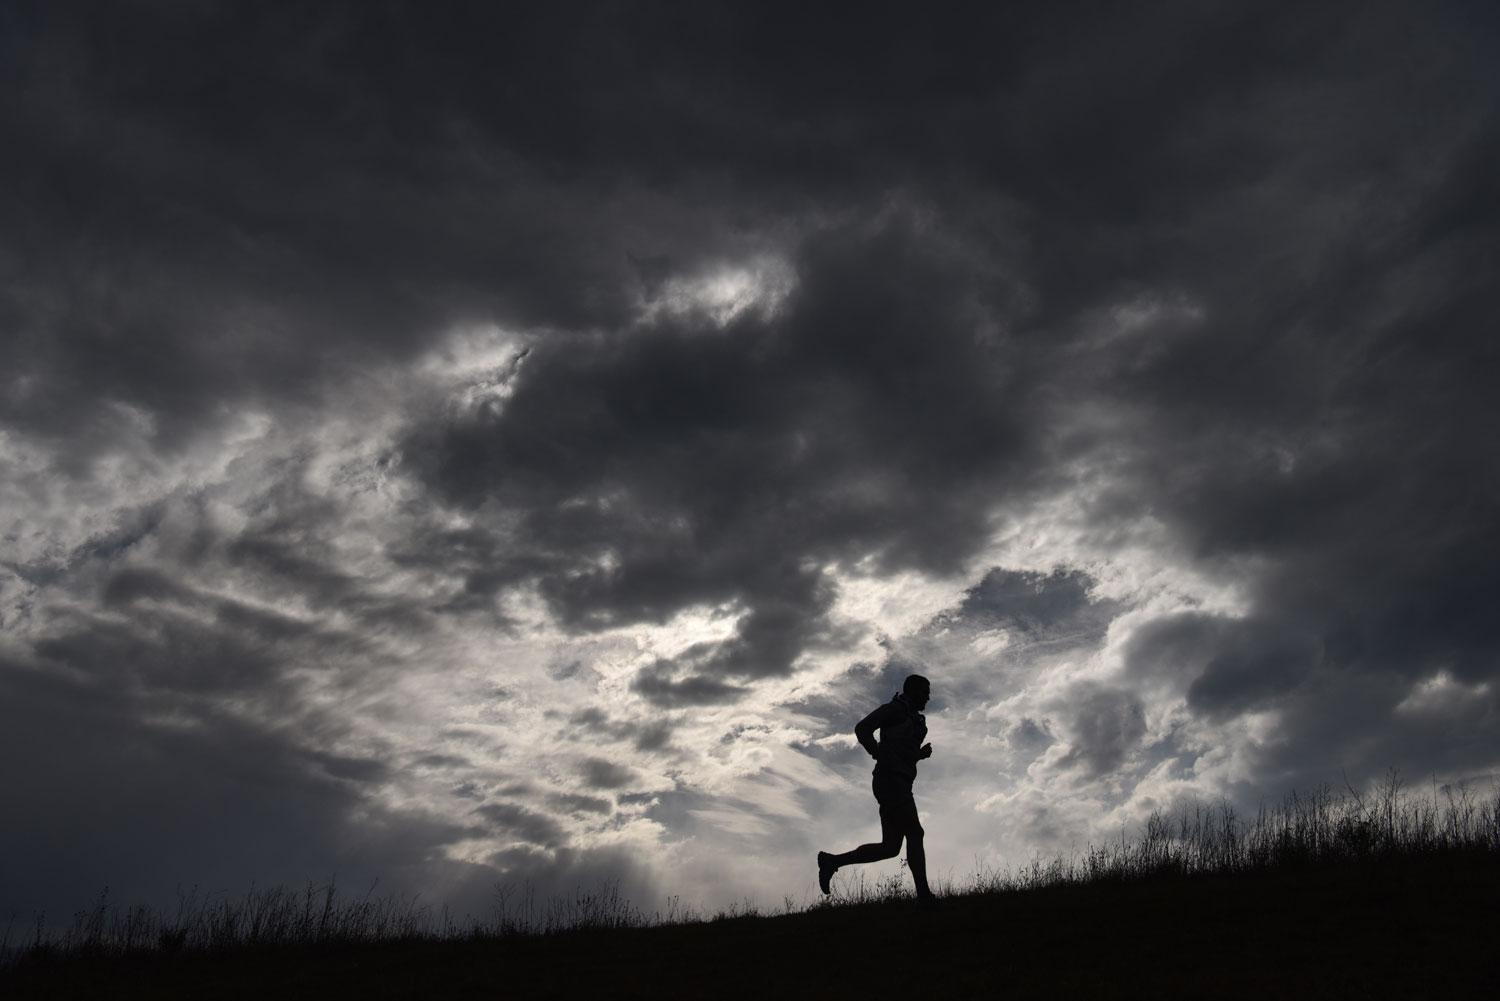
x: 826, y: 869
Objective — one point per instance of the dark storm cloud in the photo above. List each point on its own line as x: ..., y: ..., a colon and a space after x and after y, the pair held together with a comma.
x: 354, y: 769
x: 658, y: 686
x: 169, y: 648
x: 1040, y: 615
x: 681, y: 465
x: 592, y: 724
x: 218, y: 206
x: 1103, y: 725
x: 1029, y: 737
x: 1034, y: 603
x: 520, y: 822
x: 153, y: 694
x: 1230, y: 665
x: 104, y: 789
x: 600, y: 773
x: 1324, y: 435
x: 962, y: 651
x: 222, y: 206
x: 653, y: 736
x: 576, y: 803
x: 441, y: 761
x: 1356, y: 718
x: 175, y: 622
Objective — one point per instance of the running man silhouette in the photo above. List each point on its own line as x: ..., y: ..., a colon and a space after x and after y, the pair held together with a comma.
x: 902, y: 730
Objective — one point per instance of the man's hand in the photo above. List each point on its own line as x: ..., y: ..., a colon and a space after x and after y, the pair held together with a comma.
x: 925, y: 752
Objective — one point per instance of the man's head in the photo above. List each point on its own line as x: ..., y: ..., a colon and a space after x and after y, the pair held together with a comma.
x: 917, y: 690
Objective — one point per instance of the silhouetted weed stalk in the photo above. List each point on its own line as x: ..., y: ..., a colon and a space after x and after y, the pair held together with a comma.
x: 1325, y: 827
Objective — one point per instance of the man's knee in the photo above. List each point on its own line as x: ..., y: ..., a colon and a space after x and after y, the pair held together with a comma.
x: 891, y: 848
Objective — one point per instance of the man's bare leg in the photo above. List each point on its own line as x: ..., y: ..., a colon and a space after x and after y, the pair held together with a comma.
x: 874, y: 852
x: 916, y: 861
x: 889, y: 846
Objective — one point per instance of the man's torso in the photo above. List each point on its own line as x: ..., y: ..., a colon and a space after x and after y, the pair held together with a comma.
x: 901, y: 737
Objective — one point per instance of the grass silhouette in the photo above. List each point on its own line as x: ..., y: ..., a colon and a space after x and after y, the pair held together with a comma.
x: 1330, y: 894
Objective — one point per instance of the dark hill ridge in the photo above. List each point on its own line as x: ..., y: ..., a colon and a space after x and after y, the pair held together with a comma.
x: 1328, y: 895
x: 1411, y: 927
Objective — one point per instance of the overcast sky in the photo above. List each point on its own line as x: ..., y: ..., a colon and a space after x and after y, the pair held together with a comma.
x: 453, y: 443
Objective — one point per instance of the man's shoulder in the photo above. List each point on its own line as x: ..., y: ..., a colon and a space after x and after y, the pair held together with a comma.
x: 899, y: 709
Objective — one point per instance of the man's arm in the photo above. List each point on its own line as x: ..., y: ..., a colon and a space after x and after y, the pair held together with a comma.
x: 864, y: 730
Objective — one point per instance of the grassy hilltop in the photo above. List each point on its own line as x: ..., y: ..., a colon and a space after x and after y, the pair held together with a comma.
x: 1323, y: 897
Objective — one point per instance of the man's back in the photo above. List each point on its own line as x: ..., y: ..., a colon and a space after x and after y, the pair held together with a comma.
x: 902, y: 729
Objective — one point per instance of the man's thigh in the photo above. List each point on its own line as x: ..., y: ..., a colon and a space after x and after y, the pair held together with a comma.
x: 898, y: 818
